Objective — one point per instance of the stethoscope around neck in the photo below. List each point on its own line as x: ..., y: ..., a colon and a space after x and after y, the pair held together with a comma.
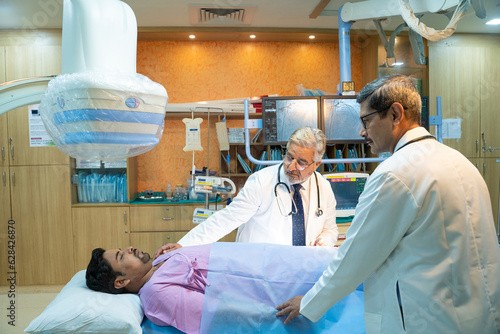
x: 318, y: 212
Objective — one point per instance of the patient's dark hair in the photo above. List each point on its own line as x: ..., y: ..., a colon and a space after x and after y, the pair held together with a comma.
x: 100, y: 275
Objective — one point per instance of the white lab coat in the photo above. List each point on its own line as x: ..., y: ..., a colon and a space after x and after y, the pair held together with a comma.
x: 423, y: 227
x: 256, y: 213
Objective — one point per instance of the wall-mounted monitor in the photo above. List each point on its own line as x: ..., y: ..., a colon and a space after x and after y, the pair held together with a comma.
x: 341, y: 122
x: 281, y: 116
x: 346, y: 187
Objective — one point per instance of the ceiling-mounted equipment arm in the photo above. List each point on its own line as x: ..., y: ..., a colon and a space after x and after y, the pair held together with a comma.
x: 18, y: 93
x: 379, y: 9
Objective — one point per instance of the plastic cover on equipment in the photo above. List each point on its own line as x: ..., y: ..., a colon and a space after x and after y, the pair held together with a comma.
x: 432, y: 34
x: 104, y: 116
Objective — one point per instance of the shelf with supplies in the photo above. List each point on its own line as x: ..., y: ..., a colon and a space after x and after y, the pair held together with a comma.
x: 343, y: 151
x: 103, y: 183
x: 235, y: 164
x: 239, y: 165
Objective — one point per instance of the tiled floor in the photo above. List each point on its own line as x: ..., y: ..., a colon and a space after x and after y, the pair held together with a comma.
x: 29, y: 303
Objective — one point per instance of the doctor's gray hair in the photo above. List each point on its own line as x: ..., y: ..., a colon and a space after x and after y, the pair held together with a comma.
x: 381, y: 93
x: 310, y: 138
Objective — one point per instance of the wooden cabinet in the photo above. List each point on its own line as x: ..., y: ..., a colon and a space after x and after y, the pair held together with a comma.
x: 490, y: 170
x: 5, y: 216
x: 4, y: 181
x: 105, y: 227
x: 491, y: 173
x: 41, y: 209
x: 490, y: 102
x: 22, y: 62
x: 455, y: 77
x: 4, y: 141
x: 465, y: 72
x: 161, y: 218
x: 155, y: 225
x: 36, y: 190
x: 152, y: 226
x: 19, y: 150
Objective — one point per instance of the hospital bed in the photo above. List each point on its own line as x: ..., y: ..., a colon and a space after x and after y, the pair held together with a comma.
x: 233, y: 303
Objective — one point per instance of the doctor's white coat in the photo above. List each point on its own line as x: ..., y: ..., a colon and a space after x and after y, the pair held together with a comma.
x: 255, y: 211
x: 423, y: 241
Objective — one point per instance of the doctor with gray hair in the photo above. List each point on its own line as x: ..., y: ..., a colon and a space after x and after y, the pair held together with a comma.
x: 288, y: 204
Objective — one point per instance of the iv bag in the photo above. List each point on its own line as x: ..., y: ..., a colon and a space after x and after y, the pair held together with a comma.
x: 193, y: 141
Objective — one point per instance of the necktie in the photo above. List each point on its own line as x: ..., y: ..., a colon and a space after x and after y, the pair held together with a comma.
x: 298, y: 230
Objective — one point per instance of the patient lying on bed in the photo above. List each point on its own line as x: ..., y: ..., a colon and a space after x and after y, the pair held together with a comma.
x: 222, y: 287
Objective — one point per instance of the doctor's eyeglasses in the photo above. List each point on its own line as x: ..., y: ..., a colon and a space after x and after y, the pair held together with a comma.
x: 300, y: 165
x: 362, y: 118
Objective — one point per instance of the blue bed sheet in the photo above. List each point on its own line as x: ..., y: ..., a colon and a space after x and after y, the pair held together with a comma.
x: 246, y: 286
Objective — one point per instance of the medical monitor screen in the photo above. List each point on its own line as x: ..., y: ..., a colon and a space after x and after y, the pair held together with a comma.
x: 281, y: 116
x: 347, y: 187
x: 341, y: 119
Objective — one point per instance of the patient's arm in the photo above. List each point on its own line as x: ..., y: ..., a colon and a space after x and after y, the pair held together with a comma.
x: 176, y: 306
x: 165, y: 249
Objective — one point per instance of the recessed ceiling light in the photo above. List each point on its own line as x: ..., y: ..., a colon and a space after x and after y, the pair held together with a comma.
x: 312, y: 37
x: 192, y: 36
x: 493, y: 22
x: 252, y: 36
x: 399, y: 63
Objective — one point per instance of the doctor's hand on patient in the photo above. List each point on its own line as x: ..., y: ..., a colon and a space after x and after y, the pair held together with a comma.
x: 165, y: 249
x: 290, y: 307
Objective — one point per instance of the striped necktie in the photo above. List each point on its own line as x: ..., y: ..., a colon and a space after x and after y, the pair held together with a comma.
x: 299, y: 230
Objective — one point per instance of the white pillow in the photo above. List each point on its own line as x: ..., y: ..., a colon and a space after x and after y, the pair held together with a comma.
x: 77, y: 309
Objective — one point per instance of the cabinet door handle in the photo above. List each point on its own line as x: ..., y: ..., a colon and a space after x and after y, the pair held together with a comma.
x: 3, y: 153
x: 13, y: 179
x: 477, y: 145
x: 168, y: 237
x: 4, y: 179
x: 125, y: 217
x: 167, y: 218
x: 12, y: 152
x: 484, y: 168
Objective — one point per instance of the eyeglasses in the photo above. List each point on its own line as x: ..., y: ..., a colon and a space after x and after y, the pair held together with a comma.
x: 299, y: 165
x: 362, y: 118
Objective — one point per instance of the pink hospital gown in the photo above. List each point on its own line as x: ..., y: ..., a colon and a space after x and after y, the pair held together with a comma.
x: 174, y: 294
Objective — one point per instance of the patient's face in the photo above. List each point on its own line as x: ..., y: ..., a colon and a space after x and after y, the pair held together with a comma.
x: 131, y: 262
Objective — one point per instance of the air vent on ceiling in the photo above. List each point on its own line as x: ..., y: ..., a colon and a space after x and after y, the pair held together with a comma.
x: 217, y: 15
